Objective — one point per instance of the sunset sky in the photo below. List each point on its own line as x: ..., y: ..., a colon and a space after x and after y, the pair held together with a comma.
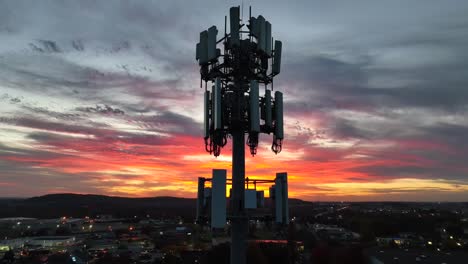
x: 103, y: 97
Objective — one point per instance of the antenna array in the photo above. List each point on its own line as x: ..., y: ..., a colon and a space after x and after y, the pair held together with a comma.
x: 240, y: 68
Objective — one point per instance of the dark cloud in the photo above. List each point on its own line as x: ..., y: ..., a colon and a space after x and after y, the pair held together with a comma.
x: 328, y: 83
x: 45, y: 46
x: 6, y: 151
x: 172, y: 123
x: 54, y: 126
x: 10, y: 99
x: 53, y: 114
x: 344, y: 129
x: 101, y: 109
x: 399, y: 171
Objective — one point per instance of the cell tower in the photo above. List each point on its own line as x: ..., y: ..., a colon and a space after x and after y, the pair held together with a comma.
x: 233, y: 106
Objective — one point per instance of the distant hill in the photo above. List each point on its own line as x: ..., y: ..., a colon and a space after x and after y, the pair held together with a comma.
x: 93, y: 199
x: 80, y: 205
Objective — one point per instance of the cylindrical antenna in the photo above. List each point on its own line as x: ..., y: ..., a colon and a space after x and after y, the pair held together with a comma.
x: 250, y: 19
x: 242, y: 12
x: 240, y: 19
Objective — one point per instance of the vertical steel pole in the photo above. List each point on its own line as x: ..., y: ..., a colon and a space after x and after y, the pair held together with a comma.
x: 239, y: 219
x: 238, y: 232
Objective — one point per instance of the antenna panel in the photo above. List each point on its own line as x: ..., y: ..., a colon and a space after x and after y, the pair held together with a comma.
x: 279, y: 134
x: 261, y: 33
x: 254, y: 107
x: 211, y: 47
x: 268, y: 38
x: 234, y: 24
x: 203, y: 48
x: 277, y: 58
x: 267, y: 109
x: 217, y: 112
x: 206, y: 126
x: 253, y: 27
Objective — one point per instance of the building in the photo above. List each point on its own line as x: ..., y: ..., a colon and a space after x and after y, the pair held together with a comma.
x: 212, y: 202
x: 250, y: 197
x: 218, y: 199
x: 279, y: 195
